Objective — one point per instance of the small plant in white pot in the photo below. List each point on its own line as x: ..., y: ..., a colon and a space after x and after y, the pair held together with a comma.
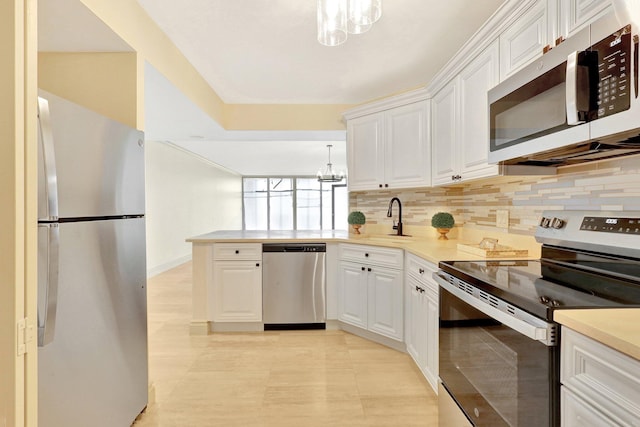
x: 443, y: 222
x: 356, y: 219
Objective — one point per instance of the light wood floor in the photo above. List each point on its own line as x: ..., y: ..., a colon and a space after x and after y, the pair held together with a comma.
x: 290, y: 378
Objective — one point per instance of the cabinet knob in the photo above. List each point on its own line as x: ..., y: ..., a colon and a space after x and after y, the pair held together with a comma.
x: 366, y: 255
x: 379, y: 185
x: 237, y: 251
x: 386, y: 185
x: 421, y: 270
x: 368, y: 269
x: 362, y: 268
x: 257, y: 264
x: 417, y: 289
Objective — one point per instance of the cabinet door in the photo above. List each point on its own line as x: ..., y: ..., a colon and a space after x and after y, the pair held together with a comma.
x: 575, y: 412
x: 432, y: 319
x: 524, y: 40
x: 385, y: 314
x: 407, y: 149
x: 577, y: 14
x: 365, y: 152
x: 415, y: 321
x: 473, y: 132
x: 352, y: 294
x: 443, y: 121
x: 237, y: 291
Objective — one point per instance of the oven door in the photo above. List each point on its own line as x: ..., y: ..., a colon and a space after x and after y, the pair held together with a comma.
x: 497, y: 375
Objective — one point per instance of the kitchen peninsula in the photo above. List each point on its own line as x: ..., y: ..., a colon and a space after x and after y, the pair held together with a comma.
x: 246, y: 246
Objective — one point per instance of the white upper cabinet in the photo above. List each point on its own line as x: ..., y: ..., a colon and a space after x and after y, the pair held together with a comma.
x: 460, y: 121
x: 576, y: 14
x: 365, y: 151
x: 474, y: 82
x: 544, y: 24
x: 525, y: 39
x: 390, y: 148
x: 407, y: 148
x: 443, y: 122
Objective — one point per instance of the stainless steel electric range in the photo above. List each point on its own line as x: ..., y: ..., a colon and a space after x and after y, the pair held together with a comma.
x: 499, y: 344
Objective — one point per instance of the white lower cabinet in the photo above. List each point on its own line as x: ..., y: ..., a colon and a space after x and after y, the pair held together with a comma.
x: 352, y: 294
x: 237, y: 283
x: 600, y: 386
x: 578, y: 413
x: 421, y: 316
x: 384, y: 296
x: 370, y: 289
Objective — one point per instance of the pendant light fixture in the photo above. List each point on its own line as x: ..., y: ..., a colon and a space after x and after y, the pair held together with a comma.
x: 329, y: 174
x: 338, y: 18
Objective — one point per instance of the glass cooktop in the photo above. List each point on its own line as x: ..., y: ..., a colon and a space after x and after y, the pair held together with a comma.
x: 570, y: 280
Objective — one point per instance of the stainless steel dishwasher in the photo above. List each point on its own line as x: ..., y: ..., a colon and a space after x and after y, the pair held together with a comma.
x: 293, y: 285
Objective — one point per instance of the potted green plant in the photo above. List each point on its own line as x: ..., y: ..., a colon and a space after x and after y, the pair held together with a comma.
x: 356, y: 219
x: 443, y: 222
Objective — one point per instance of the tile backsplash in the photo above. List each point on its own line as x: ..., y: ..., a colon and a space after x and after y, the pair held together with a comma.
x: 606, y: 185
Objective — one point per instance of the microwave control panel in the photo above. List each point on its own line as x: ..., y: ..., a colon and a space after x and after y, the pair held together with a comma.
x: 614, y: 73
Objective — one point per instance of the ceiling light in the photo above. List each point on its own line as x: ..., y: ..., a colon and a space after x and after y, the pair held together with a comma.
x: 329, y: 174
x: 338, y: 18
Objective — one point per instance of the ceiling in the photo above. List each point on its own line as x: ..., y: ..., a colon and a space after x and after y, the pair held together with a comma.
x: 266, y: 52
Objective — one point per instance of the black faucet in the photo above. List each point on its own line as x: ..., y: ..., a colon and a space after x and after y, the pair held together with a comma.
x: 390, y: 214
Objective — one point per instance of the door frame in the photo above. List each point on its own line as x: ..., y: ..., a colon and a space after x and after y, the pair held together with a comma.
x: 18, y: 213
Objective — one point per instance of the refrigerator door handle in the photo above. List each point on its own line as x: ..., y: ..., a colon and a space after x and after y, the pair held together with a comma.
x: 47, y: 315
x: 49, y: 160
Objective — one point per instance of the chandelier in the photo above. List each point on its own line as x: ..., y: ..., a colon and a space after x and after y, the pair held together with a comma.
x: 329, y: 174
x: 338, y: 18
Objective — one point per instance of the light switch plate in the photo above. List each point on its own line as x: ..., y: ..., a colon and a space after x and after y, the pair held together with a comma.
x: 502, y: 218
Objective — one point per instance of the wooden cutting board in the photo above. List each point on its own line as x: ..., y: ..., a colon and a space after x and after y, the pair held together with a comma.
x: 500, y: 251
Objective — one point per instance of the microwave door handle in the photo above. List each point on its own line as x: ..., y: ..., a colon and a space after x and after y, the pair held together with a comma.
x: 571, y: 88
x: 49, y: 160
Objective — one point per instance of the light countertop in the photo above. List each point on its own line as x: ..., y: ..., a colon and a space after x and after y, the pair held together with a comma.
x: 259, y: 236
x: 618, y: 328
x: 426, y: 247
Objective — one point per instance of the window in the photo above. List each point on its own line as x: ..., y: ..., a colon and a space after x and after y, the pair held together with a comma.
x: 293, y: 203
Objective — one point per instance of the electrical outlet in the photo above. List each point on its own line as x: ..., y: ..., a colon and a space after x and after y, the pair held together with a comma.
x: 502, y: 218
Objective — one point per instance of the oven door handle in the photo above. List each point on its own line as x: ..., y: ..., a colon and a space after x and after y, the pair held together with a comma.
x: 539, y: 332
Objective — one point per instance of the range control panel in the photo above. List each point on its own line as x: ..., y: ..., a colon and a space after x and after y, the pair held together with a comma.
x: 611, y: 225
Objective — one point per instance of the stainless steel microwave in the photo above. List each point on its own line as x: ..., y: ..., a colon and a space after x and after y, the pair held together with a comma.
x: 579, y: 102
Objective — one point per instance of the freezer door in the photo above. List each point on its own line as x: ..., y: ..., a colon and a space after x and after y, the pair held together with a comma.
x: 99, y: 163
x: 94, y: 371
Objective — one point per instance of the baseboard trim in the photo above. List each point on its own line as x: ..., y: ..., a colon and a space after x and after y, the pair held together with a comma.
x: 199, y: 327
x: 167, y: 266
x: 333, y: 325
x: 371, y: 336
x: 237, y: 326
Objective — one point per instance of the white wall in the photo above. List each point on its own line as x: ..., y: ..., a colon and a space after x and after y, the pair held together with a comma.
x: 186, y: 196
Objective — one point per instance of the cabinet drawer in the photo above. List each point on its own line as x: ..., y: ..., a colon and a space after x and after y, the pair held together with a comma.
x: 603, y: 377
x: 419, y: 268
x: 239, y: 251
x: 374, y: 255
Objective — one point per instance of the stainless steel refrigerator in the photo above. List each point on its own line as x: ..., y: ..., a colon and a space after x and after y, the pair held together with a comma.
x: 92, y: 307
